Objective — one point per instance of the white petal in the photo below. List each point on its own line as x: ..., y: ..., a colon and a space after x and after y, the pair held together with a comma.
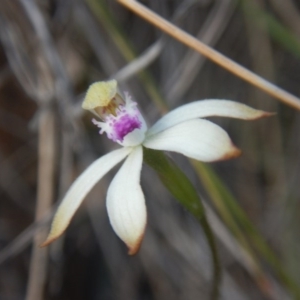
x: 198, y: 139
x: 206, y: 108
x: 126, y: 202
x: 80, y: 188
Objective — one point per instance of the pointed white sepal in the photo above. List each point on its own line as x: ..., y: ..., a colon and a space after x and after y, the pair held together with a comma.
x: 206, y: 108
x: 198, y: 139
x: 80, y: 188
x: 126, y: 203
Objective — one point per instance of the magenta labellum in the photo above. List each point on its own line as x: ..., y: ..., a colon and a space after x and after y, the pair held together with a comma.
x: 120, y: 117
x: 127, y: 127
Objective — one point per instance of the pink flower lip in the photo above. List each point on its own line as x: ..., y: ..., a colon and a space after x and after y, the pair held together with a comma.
x: 122, y: 125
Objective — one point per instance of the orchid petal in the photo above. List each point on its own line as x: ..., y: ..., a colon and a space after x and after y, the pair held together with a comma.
x: 198, y: 139
x: 80, y: 188
x: 206, y: 108
x: 126, y: 203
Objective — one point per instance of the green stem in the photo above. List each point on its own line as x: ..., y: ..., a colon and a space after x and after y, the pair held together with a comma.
x: 182, y: 189
x: 216, y: 264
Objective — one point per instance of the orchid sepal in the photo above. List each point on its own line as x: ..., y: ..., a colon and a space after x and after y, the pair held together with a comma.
x: 207, y: 108
x: 80, y: 188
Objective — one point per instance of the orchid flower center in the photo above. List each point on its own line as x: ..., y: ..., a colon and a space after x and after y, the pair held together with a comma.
x: 120, y: 117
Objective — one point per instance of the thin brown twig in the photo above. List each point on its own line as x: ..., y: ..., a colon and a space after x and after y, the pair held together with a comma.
x: 38, y: 264
x: 212, y: 54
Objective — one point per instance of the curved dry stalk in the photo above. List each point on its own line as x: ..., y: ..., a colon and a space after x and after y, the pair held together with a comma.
x: 140, y: 63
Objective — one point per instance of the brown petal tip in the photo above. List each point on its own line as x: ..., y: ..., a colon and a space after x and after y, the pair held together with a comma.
x: 264, y: 114
x: 133, y: 249
x: 233, y: 153
x: 48, y: 241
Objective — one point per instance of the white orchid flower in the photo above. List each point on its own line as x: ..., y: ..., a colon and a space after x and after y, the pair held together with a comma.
x: 182, y: 130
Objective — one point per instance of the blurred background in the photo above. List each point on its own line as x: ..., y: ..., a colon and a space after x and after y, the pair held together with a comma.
x: 50, y: 51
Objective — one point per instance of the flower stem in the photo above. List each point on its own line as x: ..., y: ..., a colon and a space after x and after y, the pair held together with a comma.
x: 183, y: 190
